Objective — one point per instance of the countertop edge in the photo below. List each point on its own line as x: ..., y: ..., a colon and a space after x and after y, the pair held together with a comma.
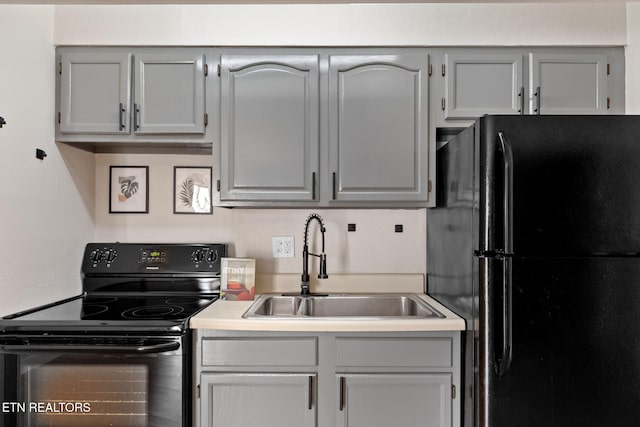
x: 227, y: 315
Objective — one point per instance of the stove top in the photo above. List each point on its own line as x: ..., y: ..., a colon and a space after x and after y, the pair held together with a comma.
x: 131, y: 288
x: 113, y: 308
x: 108, y: 314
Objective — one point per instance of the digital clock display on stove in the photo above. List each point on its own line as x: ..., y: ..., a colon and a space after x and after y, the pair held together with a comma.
x: 153, y: 256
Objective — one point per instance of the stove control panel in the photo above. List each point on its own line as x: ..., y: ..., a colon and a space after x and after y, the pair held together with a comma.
x: 154, y: 258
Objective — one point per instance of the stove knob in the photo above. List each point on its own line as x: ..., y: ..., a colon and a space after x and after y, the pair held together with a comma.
x: 212, y: 256
x: 96, y: 255
x: 111, y: 255
x: 197, y: 256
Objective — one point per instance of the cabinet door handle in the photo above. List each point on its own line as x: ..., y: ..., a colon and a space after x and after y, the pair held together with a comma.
x: 136, y: 116
x: 121, y: 116
x: 310, y: 392
x: 313, y: 186
x: 537, y: 95
x: 342, y: 392
x: 333, y: 186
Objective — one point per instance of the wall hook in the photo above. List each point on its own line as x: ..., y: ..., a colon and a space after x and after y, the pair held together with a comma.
x: 40, y: 154
x: 2, y: 121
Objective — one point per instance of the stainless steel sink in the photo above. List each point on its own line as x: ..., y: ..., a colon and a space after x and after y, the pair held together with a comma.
x: 341, y: 306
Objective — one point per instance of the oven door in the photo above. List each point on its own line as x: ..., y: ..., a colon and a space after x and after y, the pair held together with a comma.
x: 99, y: 381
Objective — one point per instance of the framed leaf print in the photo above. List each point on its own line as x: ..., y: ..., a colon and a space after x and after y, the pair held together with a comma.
x: 191, y: 190
x: 129, y: 189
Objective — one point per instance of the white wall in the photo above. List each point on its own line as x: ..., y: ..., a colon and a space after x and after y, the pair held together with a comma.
x: 429, y: 24
x: 49, y: 206
x: 250, y: 230
x: 46, y: 206
x: 632, y: 59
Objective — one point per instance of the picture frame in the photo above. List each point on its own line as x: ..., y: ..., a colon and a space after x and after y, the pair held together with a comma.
x: 192, y: 190
x: 129, y: 189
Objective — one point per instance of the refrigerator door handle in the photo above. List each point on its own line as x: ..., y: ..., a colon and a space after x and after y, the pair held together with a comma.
x: 503, y: 362
x: 504, y: 145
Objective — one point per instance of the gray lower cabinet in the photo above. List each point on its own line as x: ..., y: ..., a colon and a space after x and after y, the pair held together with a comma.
x: 258, y: 399
x: 275, y: 379
x: 383, y: 400
x: 110, y: 96
x: 323, y: 128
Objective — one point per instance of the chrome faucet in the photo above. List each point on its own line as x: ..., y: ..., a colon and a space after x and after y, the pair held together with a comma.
x: 305, y: 255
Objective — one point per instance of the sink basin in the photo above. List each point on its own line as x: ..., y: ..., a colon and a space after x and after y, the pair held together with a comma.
x: 341, y: 306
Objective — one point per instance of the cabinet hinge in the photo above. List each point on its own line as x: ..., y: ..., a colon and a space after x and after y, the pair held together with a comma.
x: 218, y: 185
x: 206, y: 70
x: 218, y: 70
x: 429, y: 186
x: 206, y: 119
x: 443, y: 104
x: 608, y: 69
x: 60, y: 68
x: 444, y: 70
x: 608, y: 102
x: 453, y: 391
x: 430, y: 70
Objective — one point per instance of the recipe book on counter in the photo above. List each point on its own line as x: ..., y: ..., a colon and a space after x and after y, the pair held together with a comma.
x: 238, y: 279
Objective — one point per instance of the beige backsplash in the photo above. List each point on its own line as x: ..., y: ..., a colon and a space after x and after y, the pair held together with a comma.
x: 342, y: 283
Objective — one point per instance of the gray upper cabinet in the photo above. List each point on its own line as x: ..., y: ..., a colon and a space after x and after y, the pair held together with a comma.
x: 118, y: 98
x: 526, y: 80
x: 169, y: 93
x: 88, y: 107
x: 378, y: 127
x: 478, y: 84
x: 269, y: 127
x: 323, y: 128
x: 565, y: 83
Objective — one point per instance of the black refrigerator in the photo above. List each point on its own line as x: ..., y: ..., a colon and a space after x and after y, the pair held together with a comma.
x: 535, y: 241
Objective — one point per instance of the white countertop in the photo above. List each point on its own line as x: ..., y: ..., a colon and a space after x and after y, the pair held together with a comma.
x: 227, y: 315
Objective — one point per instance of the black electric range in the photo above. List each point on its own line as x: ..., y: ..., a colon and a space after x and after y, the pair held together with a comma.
x: 126, y: 338
x: 142, y: 287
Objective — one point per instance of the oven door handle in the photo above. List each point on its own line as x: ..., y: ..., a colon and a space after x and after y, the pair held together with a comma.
x: 93, y: 348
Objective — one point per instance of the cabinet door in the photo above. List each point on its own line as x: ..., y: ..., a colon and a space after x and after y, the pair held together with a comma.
x: 568, y: 83
x: 398, y: 400
x: 479, y: 83
x: 94, y: 93
x: 378, y: 132
x: 242, y: 400
x: 269, y: 127
x: 169, y: 93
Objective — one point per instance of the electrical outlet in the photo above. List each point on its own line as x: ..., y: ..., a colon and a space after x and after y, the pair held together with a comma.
x: 282, y: 246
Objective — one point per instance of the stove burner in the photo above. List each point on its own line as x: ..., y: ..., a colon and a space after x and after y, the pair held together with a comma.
x: 89, y: 310
x: 152, y: 312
